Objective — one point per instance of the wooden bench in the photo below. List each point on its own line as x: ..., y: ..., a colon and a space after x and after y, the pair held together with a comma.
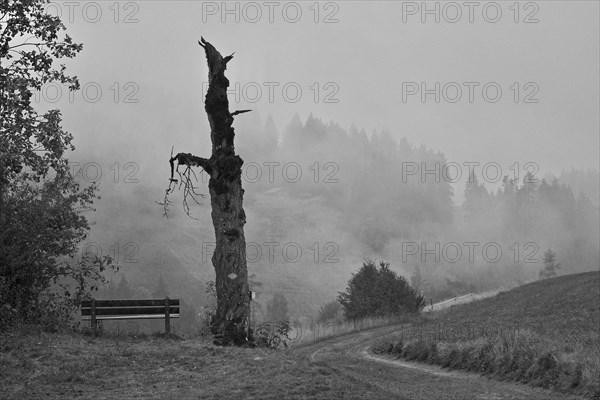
x: 94, y: 310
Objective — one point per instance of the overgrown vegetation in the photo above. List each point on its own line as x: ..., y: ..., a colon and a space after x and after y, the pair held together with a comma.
x: 272, y: 335
x: 519, y: 356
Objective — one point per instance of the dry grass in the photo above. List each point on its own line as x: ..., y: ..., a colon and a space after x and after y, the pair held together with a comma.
x: 312, y: 332
x: 56, y: 366
x: 545, y: 333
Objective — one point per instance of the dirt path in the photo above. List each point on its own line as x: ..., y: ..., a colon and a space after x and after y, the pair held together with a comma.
x: 349, y: 355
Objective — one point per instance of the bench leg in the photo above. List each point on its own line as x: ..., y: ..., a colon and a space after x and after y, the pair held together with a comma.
x: 167, y: 318
x: 93, y: 319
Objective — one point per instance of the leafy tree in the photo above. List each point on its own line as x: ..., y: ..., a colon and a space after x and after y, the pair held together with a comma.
x: 277, y: 308
x: 378, y: 292
x: 41, y: 204
x: 550, y: 265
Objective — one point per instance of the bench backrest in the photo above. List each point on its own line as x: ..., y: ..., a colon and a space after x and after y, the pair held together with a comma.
x: 129, y: 309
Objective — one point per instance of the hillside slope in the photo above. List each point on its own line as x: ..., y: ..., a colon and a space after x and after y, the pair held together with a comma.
x: 563, y: 308
x: 546, y: 333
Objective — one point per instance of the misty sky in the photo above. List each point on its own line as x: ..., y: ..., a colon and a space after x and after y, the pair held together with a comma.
x: 367, y: 61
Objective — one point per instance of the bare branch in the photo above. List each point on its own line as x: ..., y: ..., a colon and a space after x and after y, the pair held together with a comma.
x: 189, y: 190
x: 228, y: 58
x: 239, y: 112
x: 185, y: 180
x: 166, y: 203
x: 27, y: 44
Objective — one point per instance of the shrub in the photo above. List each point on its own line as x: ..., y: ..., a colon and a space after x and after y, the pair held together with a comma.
x: 416, y: 350
x: 272, y: 335
x: 378, y: 292
x: 397, y: 348
x: 383, y: 346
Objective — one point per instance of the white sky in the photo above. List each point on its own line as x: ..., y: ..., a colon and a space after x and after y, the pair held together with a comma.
x: 367, y: 56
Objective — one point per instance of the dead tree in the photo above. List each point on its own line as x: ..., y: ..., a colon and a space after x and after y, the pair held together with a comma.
x: 231, y: 322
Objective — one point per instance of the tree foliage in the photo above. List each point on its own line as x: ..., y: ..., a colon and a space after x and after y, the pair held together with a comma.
x: 41, y: 204
x: 378, y: 292
x: 550, y: 265
x: 31, y: 41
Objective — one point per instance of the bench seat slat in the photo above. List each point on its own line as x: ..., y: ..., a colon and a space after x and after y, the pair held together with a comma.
x: 106, y: 317
x: 129, y: 303
x: 130, y: 311
x: 132, y: 308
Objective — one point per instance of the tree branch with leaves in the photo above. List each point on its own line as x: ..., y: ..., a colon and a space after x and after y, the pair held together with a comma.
x: 41, y: 203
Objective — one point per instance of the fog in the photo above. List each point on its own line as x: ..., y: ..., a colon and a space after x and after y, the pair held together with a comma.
x: 365, y: 129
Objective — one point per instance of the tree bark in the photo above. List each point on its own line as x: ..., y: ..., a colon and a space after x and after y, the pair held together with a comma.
x: 231, y: 322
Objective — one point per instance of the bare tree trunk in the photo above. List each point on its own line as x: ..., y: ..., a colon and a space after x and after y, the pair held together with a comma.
x: 231, y: 322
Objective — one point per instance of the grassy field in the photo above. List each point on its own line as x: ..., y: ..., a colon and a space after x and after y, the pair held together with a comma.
x: 36, y: 364
x: 545, y: 333
x: 59, y: 366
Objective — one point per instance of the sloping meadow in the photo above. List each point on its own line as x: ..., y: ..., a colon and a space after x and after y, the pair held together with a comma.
x: 544, y: 334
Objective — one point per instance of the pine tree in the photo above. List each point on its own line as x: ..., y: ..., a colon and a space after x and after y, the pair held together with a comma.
x: 475, y: 197
x: 550, y: 265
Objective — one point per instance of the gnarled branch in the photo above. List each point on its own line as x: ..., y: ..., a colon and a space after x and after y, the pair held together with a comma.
x: 185, y: 181
x: 191, y: 161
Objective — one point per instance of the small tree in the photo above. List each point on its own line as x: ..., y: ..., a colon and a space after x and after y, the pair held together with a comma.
x: 277, y: 308
x: 161, y: 290
x: 373, y: 292
x: 124, y: 291
x: 550, y: 265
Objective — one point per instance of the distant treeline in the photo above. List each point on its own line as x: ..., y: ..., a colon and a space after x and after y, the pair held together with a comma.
x: 394, y: 196
x: 372, y: 196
